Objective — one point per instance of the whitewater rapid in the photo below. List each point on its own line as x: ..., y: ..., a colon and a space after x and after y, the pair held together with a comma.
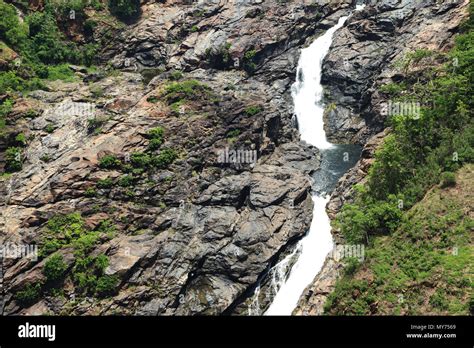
x: 311, y: 251
x: 307, y: 93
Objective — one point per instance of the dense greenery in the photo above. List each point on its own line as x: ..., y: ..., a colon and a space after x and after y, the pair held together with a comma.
x: 55, y: 267
x: 125, y: 9
x: 89, y: 278
x: 156, y: 136
x: 419, y: 153
x: 422, y: 268
x: 41, y: 46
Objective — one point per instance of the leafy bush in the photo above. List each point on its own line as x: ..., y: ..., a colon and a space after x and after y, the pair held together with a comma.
x: 125, y: 9
x: 29, y: 295
x: 140, y: 159
x: 165, y: 158
x: 94, y: 125
x: 61, y: 230
x: 152, y: 99
x: 54, y: 267
x: 155, y: 144
x: 156, y: 138
x: 156, y: 133
x: 248, y: 62
x: 90, y: 192
x: 351, y: 266
x: 11, y: 81
x: 21, y: 139
x: 12, y: 31
x: 41, y: 46
x: 89, y: 27
x: 89, y: 278
x: 13, y: 160
x: 176, y: 75
x: 109, y: 162
x: 448, y: 179
x: 105, y: 183
x: 106, y: 285
x: 49, y: 128
x: 126, y: 180
x: 61, y: 72
x: 439, y: 300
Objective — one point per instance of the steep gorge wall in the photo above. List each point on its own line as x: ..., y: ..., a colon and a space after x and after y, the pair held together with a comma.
x: 364, y: 57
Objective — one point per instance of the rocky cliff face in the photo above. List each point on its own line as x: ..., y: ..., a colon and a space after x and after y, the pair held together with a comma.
x: 366, y: 54
x: 186, y: 223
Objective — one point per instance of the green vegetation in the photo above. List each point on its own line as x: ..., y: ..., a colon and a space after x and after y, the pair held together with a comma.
x: 43, y: 49
x: 97, y: 91
x: 392, y: 89
x: 109, y: 162
x: 185, y: 90
x: 156, y: 136
x: 154, y: 158
x: 29, y: 295
x: 45, y: 158
x: 5, y: 109
x: 87, y: 272
x: 89, y: 278
x: 94, y: 125
x: 221, y: 58
x: 106, y: 285
x: 50, y: 128
x: 127, y: 180
x: 422, y: 268
x: 248, y: 62
x: 253, y: 110
x: 13, y: 159
x: 140, y: 159
x: 152, y: 99
x: 448, y: 179
x: 125, y: 9
x: 61, y: 230
x: 105, y: 183
x: 408, y: 242
x: 233, y: 135
x: 90, y: 192
x: 176, y: 75
x: 61, y: 72
x: 54, y: 267
x: 164, y: 158
x: 21, y: 139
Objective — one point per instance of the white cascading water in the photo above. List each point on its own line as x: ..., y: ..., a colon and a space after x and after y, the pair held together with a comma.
x: 315, y: 246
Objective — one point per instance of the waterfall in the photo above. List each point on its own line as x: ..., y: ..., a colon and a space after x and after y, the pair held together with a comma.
x: 307, y: 93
